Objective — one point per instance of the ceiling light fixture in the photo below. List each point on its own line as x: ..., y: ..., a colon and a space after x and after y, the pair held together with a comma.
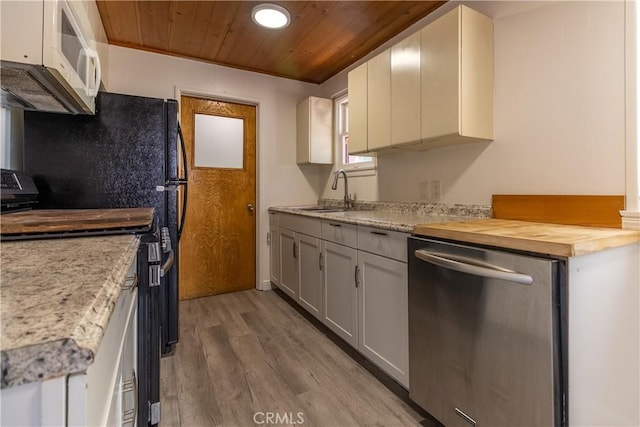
x: 271, y: 16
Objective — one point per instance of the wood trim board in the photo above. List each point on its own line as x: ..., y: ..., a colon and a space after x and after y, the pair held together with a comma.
x: 67, y: 220
x: 586, y: 210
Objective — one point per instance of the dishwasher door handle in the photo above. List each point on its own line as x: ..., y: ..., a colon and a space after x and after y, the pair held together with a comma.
x: 472, y: 266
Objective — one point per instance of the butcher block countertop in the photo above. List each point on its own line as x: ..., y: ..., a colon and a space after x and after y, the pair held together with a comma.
x: 56, y: 299
x: 553, y: 239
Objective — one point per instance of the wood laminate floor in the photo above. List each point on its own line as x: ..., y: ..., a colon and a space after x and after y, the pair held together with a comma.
x: 247, y: 354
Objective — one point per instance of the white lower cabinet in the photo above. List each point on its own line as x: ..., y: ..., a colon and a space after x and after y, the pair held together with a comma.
x: 310, y: 274
x: 274, y: 252
x: 42, y: 403
x: 340, y: 292
x: 106, y: 393
x: 383, y: 330
x: 129, y: 375
x: 273, y: 240
x: 353, y: 279
x: 299, y: 257
x: 288, y: 263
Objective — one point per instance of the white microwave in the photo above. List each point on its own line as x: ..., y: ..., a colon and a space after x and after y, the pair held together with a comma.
x: 49, y: 60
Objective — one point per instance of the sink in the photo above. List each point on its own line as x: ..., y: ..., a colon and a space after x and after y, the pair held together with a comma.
x: 349, y: 213
x: 319, y: 209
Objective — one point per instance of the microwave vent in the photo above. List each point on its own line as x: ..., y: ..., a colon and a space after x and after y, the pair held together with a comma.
x: 34, y: 88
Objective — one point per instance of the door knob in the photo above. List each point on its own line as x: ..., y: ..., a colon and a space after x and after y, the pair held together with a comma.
x: 250, y: 207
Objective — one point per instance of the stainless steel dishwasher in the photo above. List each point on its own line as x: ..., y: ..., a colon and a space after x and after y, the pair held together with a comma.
x: 486, y: 335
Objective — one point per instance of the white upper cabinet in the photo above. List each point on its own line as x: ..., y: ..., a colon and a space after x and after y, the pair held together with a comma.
x: 358, y: 109
x: 315, y: 131
x: 405, y: 90
x: 431, y: 89
x: 370, y: 105
x: 457, y: 79
x: 379, y: 101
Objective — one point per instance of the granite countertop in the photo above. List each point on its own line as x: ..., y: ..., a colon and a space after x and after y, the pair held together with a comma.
x: 552, y: 239
x: 56, y: 298
x: 401, y: 217
x: 473, y: 224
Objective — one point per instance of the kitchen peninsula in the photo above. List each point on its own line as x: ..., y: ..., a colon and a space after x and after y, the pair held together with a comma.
x: 64, y: 313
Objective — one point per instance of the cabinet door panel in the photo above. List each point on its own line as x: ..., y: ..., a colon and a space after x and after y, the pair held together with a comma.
x: 405, y: 90
x: 288, y: 263
x: 358, y: 109
x: 383, y: 312
x: 129, y: 374
x: 476, y: 74
x: 340, y: 292
x: 440, y: 76
x: 314, y: 131
x: 379, y: 101
x: 310, y: 279
x: 274, y: 255
x: 34, y: 403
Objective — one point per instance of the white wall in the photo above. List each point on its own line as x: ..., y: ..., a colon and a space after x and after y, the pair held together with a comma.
x: 559, y: 111
x: 280, y: 180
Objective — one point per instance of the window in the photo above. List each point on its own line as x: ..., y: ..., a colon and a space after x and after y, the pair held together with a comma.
x: 344, y: 160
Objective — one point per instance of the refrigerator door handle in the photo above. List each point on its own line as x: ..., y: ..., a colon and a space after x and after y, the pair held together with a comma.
x: 184, y: 182
x: 167, y: 264
x: 166, y: 248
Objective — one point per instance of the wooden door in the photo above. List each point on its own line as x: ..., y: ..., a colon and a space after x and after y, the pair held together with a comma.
x: 218, y: 245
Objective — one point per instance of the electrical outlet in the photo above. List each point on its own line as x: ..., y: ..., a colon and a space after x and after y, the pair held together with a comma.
x: 424, y: 190
x: 435, y: 190
x: 268, y: 238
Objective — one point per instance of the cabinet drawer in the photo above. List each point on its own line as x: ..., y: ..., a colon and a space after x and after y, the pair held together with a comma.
x: 337, y: 232
x: 274, y: 218
x: 390, y: 244
x: 301, y: 224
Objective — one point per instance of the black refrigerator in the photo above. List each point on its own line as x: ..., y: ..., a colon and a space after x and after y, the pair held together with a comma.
x: 124, y: 156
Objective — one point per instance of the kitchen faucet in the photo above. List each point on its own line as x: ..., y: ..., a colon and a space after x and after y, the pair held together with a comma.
x: 348, y: 201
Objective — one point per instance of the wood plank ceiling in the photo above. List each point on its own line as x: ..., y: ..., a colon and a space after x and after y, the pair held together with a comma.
x: 324, y: 37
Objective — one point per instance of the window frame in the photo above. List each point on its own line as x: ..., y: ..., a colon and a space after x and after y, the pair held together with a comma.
x: 340, y: 130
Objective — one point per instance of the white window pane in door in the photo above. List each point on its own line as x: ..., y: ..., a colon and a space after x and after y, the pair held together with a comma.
x: 219, y: 142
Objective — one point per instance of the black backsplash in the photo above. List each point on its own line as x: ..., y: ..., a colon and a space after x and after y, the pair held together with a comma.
x: 113, y: 159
